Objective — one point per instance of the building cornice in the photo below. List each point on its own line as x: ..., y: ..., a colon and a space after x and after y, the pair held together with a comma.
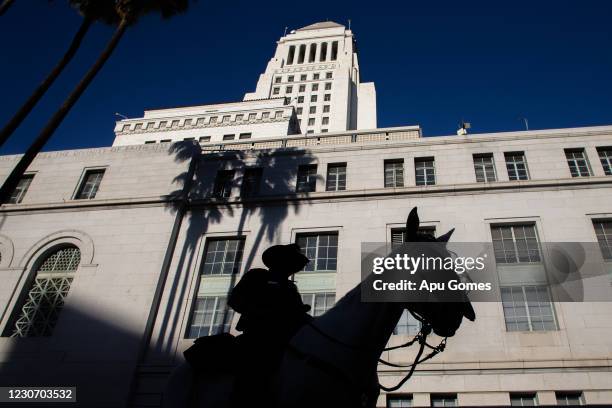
x: 323, y: 196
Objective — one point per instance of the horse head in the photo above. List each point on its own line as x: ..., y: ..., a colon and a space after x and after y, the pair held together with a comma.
x: 444, y: 310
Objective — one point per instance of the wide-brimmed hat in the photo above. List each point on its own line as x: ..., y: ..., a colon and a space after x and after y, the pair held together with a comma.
x: 285, y: 258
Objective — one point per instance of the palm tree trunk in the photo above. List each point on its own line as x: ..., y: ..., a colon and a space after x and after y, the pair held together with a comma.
x: 27, y: 107
x: 13, y: 179
x: 5, y: 6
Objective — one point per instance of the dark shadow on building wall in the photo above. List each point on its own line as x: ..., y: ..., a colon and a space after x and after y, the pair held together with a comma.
x: 272, y: 205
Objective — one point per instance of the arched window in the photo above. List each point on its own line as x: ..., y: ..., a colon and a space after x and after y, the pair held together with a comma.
x: 313, y: 52
x: 302, y: 54
x: 45, y: 298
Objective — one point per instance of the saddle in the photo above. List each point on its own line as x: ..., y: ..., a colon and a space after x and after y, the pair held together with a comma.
x: 214, y: 354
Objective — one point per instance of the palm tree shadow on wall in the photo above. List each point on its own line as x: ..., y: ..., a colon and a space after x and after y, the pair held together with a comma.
x: 202, y: 210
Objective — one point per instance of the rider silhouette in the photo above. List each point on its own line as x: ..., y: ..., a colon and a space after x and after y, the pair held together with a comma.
x: 271, y: 312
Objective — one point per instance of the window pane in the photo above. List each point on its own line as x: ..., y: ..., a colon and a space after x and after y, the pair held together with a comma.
x: 21, y: 189
x: 603, y: 231
x: 90, y: 184
x: 394, y: 174
x: 45, y: 298
x: 321, y: 249
x: 336, y: 177
x: 306, y: 179
x: 210, y: 316
x: 223, y: 256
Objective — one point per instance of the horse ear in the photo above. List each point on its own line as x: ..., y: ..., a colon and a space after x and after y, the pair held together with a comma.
x: 412, y: 225
x: 445, y: 237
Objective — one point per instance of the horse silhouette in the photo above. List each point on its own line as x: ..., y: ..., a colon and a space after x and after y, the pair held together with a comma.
x: 332, y: 359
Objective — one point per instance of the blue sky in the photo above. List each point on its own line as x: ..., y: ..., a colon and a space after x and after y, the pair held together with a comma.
x: 433, y: 63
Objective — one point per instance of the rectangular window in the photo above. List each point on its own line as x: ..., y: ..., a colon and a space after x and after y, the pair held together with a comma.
x: 407, y: 325
x: 399, y: 401
x: 394, y: 173
x: 149, y: 142
x: 324, y: 130
x: 577, y: 162
x: 523, y: 399
x: 336, y: 177
x: 243, y: 136
x: 313, y: 98
x: 306, y: 178
x: 605, y: 156
x: 290, y: 78
x: 187, y: 122
x: 315, y: 87
x: 204, y: 139
x: 319, y: 302
x: 226, y: 118
x: 300, y: 99
x: 315, y: 76
x: 398, y: 235
x: 303, y: 77
x: 200, y: 121
x: 311, y: 121
x: 213, y: 119
x: 515, y: 243
x: 425, y: 171
x: 325, y: 120
x: 187, y: 139
x: 603, y: 231
x: 325, y: 108
x: 443, y: 400
x: 21, y: 189
x: 321, y: 249
x: 138, y: 126
x: 239, y: 117
x: 302, y: 88
x: 327, y: 97
x: 229, y: 137
x: 165, y: 141
x: 163, y: 124
x: 252, y: 116
x: 328, y: 75
x: 90, y: 184
x: 312, y: 109
x: 299, y: 110
x: 174, y: 123
x: 288, y: 89
x: 223, y: 256
x: 528, y: 308
x: 569, y: 398
x: 150, y: 125
x: 210, y: 316
x: 278, y: 80
x: 484, y: 168
x: 516, y: 165
x: 223, y: 184
x: 275, y: 90
x: 328, y: 86
x: 251, y: 182
x: 265, y: 115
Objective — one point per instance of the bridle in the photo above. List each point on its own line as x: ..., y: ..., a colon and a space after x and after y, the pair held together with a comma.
x: 420, y: 337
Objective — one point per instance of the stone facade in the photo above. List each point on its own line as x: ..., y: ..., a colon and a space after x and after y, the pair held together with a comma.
x: 127, y: 316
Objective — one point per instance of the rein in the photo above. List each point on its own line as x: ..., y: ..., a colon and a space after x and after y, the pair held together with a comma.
x: 421, y: 337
